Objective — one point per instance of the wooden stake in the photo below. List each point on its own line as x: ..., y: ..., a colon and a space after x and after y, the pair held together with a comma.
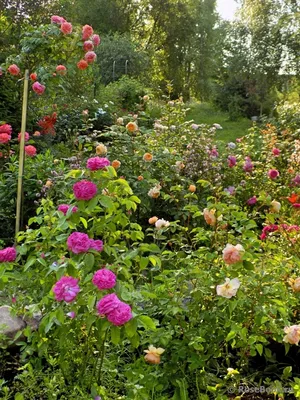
x: 22, y: 153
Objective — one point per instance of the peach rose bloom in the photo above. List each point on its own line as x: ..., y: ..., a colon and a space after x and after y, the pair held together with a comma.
x: 152, y: 220
x: 275, y: 206
x: 292, y: 334
x: 295, y: 284
x: 154, y: 192
x: 233, y: 254
x: 132, y: 127
x: 120, y: 121
x: 153, y: 354
x: 147, y: 157
x: 209, y: 216
x: 229, y: 288
x: 192, y: 188
x: 101, y: 150
x: 140, y: 178
x: 116, y: 164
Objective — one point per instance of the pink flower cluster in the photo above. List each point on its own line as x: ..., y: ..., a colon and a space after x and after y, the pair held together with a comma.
x: 273, y: 228
x: 80, y: 243
x: 66, y: 289
x: 84, y: 190
x: 231, y: 161
x: 65, y: 207
x: 104, y: 279
x: 5, y: 133
x: 8, y: 254
x: 30, y: 151
x: 90, y: 41
x: 96, y: 163
x: 248, y: 166
x: 117, y: 312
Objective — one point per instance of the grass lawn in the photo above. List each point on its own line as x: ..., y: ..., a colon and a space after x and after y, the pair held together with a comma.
x: 205, y: 113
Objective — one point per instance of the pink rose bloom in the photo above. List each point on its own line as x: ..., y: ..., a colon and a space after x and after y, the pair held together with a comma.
x: 87, y: 31
x: 61, y: 70
x: 248, y: 166
x: 120, y: 315
x: 214, y: 153
x: 14, y: 69
x: 273, y: 173
x: 65, y: 207
x: 231, y: 161
x: 66, y: 28
x: 71, y: 314
x: 107, y: 304
x: 104, y: 279
x: 252, y: 201
x: 96, y: 40
x: 96, y: 245
x: 6, y: 129
x: 38, y: 88
x: 84, y: 190
x: 26, y: 137
x: 8, y: 254
x: 96, y: 163
x: 276, y: 152
x: 30, y: 151
x: 233, y: 254
x: 4, y: 138
x: 66, y: 289
x: 88, y: 45
x: 78, y: 242
x: 90, y: 56
x: 296, y: 205
x: 55, y: 19
x: 292, y: 334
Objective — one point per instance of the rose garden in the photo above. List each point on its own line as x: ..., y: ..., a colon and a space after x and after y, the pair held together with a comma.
x: 153, y: 260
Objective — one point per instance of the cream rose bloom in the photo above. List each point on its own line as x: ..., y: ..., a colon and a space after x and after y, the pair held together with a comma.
x: 229, y: 288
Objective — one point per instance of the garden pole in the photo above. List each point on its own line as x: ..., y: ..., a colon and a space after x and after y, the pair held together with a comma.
x: 21, y: 156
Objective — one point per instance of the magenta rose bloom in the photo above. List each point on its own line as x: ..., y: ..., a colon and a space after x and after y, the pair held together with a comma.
x: 252, y: 201
x: 8, y: 254
x: 120, y: 315
x: 65, y: 207
x: 84, y: 190
x: 104, y: 279
x: 96, y: 163
x: 276, y: 152
x: 296, y: 180
x: 231, y: 161
x: 248, y: 166
x: 107, y: 304
x: 78, y: 242
x: 38, y: 88
x: 96, y: 245
x: 96, y: 39
x: 55, y: 19
x: 66, y: 289
x: 273, y: 173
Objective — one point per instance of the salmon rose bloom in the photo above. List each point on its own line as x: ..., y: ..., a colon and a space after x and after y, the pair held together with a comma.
x: 82, y: 64
x: 140, y: 178
x: 66, y: 28
x: 90, y: 56
x: 192, y: 188
x: 61, y: 70
x: 4, y: 138
x: 116, y: 164
x: 87, y: 32
x: 209, y: 216
x: 30, y: 151
x: 233, y: 254
x: 14, y: 69
x: 88, y: 45
x: 229, y: 288
x: 132, y: 127
x: 96, y: 40
x: 292, y: 334
x: 33, y: 76
x: 153, y: 354
x: 152, y: 220
x: 147, y: 157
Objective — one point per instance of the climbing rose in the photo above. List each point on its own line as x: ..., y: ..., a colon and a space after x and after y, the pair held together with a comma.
x: 292, y: 334
x: 88, y: 45
x: 96, y: 163
x: 66, y: 289
x: 14, y: 69
x: 8, y: 254
x: 87, y: 31
x: 107, y: 304
x: 26, y: 137
x: 84, y: 190
x: 30, y: 150
x: 65, y: 207
x: 38, y: 88
x: 233, y: 254
x: 153, y: 354
x: 104, y: 279
x: 273, y: 173
x: 229, y: 288
x: 61, y: 70
x: 90, y: 56
x: 120, y: 315
x: 82, y: 64
x: 55, y: 19
x: 96, y: 40
x: 6, y: 129
x: 78, y: 242
x: 66, y: 28
x: 33, y: 76
x: 4, y: 138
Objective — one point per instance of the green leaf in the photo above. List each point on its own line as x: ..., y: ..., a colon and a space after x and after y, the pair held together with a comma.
x: 115, y: 334
x: 106, y: 202
x: 91, y: 302
x: 146, y: 322
x: 19, y: 396
x: 259, y: 347
x: 131, y: 327
x: 29, y: 263
x: 230, y: 335
x: 84, y: 222
x: 89, y: 260
x: 92, y: 203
